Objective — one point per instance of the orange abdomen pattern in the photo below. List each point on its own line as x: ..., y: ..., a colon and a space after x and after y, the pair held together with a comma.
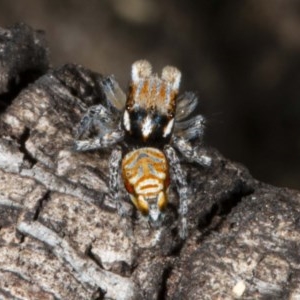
x: 145, y: 173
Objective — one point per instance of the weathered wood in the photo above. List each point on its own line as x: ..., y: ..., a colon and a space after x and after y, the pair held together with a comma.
x: 61, y: 238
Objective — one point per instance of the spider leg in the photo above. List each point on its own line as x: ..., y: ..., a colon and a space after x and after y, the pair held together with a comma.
x: 96, y: 115
x: 179, y: 177
x: 190, y: 129
x: 100, y: 142
x: 114, y: 94
x: 114, y: 180
x: 190, y: 153
x: 186, y: 104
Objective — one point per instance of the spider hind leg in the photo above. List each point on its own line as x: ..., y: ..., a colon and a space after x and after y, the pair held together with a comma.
x: 114, y: 179
x: 191, y: 154
x: 179, y: 177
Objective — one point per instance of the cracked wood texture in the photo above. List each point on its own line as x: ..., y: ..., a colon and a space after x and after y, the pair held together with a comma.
x: 60, y: 235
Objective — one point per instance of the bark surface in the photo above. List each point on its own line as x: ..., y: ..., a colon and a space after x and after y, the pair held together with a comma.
x: 60, y: 235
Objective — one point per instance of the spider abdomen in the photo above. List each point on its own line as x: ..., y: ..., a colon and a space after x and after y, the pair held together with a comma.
x: 146, y: 177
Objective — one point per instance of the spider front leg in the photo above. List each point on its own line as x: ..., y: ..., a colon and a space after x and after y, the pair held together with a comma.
x: 100, y: 142
x: 179, y: 177
x: 190, y: 153
x: 114, y: 94
x: 96, y: 116
x: 114, y: 178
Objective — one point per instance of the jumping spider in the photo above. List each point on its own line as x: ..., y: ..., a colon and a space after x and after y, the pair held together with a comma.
x: 147, y: 123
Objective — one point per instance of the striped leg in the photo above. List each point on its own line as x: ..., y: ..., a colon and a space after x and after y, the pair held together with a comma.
x: 179, y: 178
x: 96, y: 113
x: 114, y: 180
x: 105, y: 141
x: 190, y: 153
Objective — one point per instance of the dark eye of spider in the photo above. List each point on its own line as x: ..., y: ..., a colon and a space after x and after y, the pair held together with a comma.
x: 140, y: 116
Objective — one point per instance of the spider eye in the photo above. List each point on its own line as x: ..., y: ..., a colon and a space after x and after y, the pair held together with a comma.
x: 157, y: 119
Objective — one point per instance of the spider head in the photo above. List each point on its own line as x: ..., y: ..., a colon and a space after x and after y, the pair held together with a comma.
x: 151, y: 103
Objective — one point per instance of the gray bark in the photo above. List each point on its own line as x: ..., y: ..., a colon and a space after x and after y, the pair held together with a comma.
x: 60, y: 235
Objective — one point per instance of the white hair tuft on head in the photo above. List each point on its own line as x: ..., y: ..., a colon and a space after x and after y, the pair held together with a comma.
x: 140, y: 69
x: 172, y: 75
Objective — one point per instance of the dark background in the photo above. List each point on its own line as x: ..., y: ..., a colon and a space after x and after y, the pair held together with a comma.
x: 241, y: 57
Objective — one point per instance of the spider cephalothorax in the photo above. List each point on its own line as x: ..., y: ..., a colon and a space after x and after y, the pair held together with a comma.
x: 150, y: 106
x: 149, y: 121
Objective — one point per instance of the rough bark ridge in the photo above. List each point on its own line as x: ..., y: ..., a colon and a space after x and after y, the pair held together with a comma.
x: 61, y: 238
